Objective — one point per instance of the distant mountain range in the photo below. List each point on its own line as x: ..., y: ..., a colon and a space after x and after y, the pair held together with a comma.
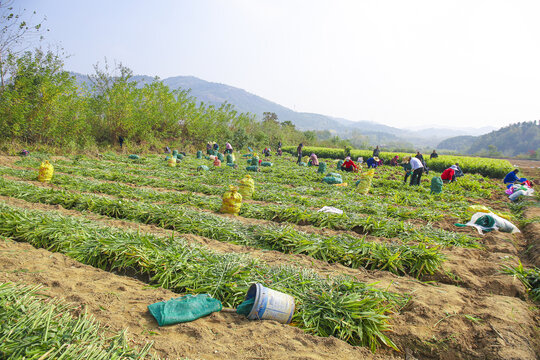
x: 511, y: 140
x: 243, y: 101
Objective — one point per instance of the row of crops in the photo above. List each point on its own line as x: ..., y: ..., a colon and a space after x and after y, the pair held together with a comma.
x: 186, y: 201
x: 494, y: 168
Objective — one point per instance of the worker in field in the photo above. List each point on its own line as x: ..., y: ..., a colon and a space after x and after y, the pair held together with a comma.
x: 349, y: 165
x: 459, y: 172
x: 511, y: 177
x: 406, y: 164
x: 417, y: 170
x: 266, y: 152
x: 449, y: 175
x: 394, y: 161
x: 209, y: 148
x: 299, y: 152
x: 376, y: 151
x: 215, y: 148
x: 372, y: 162
x: 433, y: 155
x: 121, y: 140
x: 228, y: 148
x: 313, y: 160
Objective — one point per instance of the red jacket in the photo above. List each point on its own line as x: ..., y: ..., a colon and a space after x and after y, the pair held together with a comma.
x: 349, y: 163
x: 447, y: 174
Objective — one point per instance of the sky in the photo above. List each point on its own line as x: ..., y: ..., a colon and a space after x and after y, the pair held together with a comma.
x: 453, y: 63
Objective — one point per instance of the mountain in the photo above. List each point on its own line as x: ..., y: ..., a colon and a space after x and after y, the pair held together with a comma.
x: 216, y: 94
x: 511, y: 140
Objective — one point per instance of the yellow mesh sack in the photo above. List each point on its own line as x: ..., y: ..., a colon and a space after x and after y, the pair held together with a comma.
x: 232, y: 201
x: 171, y: 162
x: 46, y: 171
x: 364, y: 184
x: 247, y: 187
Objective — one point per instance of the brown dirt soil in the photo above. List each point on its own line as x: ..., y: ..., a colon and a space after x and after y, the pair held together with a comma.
x: 433, y: 325
x: 121, y: 302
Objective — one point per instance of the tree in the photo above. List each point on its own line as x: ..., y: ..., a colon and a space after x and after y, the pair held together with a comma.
x: 16, y: 34
x: 270, y: 117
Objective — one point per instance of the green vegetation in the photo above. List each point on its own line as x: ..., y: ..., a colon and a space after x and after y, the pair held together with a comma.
x: 529, y: 277
x: 174, y: 264
x: 36, y: 327
x: 487, y: 167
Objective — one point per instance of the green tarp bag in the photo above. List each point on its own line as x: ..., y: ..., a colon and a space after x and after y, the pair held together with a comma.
x: 202, y: 168
x: 301, y: 163
x: 252, y: 168
x: 184, y: 309
x: 174, y: 153
x: 229, y: 159
x: 133, y: 157
x: 266, y: 163
x: 436, y: 185
x: 245, y: 307
x: 322, y: 168
x: 220, y: 156
x: 199, y: 154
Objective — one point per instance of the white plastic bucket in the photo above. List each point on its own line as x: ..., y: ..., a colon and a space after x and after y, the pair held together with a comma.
x: 270, y: 304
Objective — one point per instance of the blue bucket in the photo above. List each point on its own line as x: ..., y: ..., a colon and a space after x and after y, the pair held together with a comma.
x: 270, y: 304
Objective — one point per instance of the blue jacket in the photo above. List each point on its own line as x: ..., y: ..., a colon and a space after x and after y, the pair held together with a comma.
x: 371, y: 162
x: 510, y: 177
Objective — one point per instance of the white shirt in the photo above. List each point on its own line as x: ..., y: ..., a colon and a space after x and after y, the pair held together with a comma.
x: 416, y: 164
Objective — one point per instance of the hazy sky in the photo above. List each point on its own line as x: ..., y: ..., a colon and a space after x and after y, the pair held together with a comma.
x: 401, y: 63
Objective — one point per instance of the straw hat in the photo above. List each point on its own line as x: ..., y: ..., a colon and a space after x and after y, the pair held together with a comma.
x: 375, y: 158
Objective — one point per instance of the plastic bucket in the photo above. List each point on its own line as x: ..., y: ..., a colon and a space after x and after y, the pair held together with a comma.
x: 270, y: 304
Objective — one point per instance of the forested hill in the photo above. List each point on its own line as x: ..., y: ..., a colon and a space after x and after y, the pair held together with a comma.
x: 512, y: 140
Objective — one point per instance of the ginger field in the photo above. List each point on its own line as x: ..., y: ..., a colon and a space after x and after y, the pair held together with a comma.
x: 390, y: 278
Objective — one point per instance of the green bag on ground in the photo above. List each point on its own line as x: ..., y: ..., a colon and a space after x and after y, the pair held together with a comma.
x: 436, y: 185
x: 252, y: 168
x: 199, y: 154
x: 338, y: 166
x: 332, y: 178
x: 229, y: 159
x: 179, y: 156
x: 220, y: 156
x: 266, y: 163
x: 174, y: 153
x: 301, y: 163
x: 184, y: 309
x: 133, y: 156
x: 202, y: 168
x: 322, y: 168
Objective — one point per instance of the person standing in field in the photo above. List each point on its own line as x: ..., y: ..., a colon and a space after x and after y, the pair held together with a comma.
x: 121, y: 140
x: 228, y: 148
x: 417, y: 170
x: 299, y: 153
x: 433, y: 155
x: 376, y: 151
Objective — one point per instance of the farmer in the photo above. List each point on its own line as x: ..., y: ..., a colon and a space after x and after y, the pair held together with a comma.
x: 407, y: 167
x: 433, y: 155
x: 266, y: 152
x: 360, y: 160
x: 394, y: 161
x: 167, y: 150
x: 313, y: 160
x: 349, y: 165
x: 376, y: 151
x: 419, y: 156
x: 121, y: 140
x: 216, y: 147
x: 209, y: 148
x: 228, y: 148
x: 449, y: 175
x: 511, y: 177
x: 417, y: 170
x: 372, y: 162
x: 299, y: 152
x: 458, y: 171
